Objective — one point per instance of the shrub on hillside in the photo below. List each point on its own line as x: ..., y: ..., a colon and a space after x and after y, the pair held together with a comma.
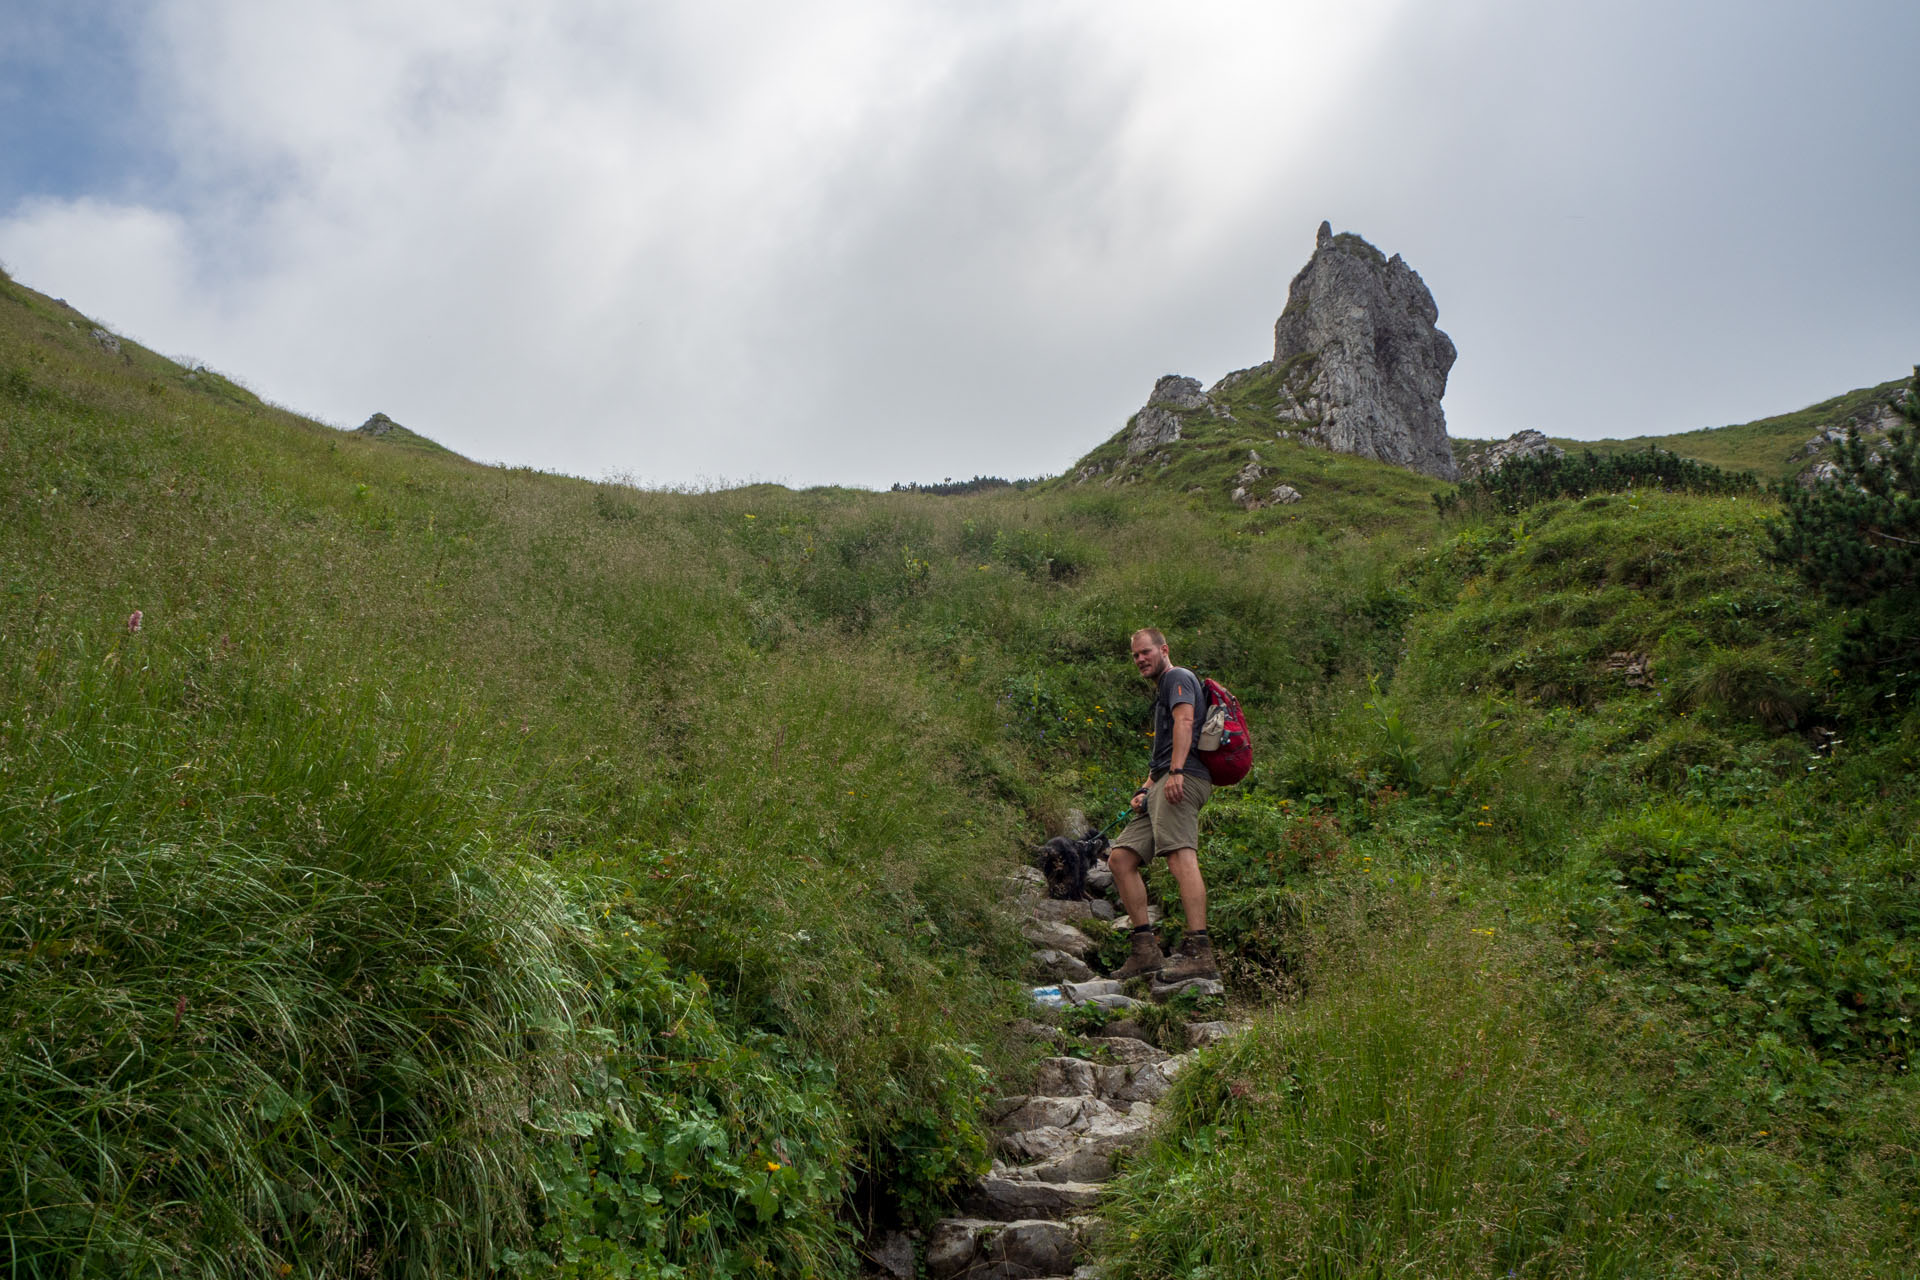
x: 1855, y: 538
x: 1526, y: 481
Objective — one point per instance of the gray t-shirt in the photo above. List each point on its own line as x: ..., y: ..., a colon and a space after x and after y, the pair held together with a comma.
x: 1177, y: 685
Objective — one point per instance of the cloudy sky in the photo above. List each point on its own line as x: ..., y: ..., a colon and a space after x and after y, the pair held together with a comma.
x: 874, y: 240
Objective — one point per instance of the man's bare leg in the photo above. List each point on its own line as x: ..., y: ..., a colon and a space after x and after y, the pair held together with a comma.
x: 1144, y: 956
x: 1185, y: 866
x: 1132, y: 887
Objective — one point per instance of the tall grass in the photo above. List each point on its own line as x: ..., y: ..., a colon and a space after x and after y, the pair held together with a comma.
x: 298, y: 1038
x: 1421, y: 1115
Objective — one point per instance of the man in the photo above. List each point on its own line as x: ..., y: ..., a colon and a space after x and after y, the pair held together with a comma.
x: 1166, y: 821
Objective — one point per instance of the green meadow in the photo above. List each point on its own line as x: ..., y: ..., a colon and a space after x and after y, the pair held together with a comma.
x: 464, y: 871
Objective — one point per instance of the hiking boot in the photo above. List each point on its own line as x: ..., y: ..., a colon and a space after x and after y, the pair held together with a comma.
x: 1193, y: 959
x: 1144, y: 959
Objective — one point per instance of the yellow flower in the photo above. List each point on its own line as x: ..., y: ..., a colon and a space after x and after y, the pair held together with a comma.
x: 752, y: 516
x: 773, y: 1166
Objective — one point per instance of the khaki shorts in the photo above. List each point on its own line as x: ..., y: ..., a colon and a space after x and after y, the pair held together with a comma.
x: 1166, y: 827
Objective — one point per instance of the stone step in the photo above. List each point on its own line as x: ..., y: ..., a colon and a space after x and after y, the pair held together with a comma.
x: 1058, y: 966
x: 1077, y: 1163
x: 1074, y: 1112
x: 1016, y: 1199
x: 1127, y: 1049
x: 1165, y: 991
x: 1071, y: 909
x: 1205, y: 1033
x: 1056, y: 935
x: 1124, y: 1082
x: 1106, y: 1133
x: 990, y: 1249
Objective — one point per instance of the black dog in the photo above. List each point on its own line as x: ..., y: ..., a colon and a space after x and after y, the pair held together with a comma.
x: 1066, y: 861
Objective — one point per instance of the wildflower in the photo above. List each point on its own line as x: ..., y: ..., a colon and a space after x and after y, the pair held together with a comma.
x: 133, y: 621
x: 752, y: 516
x: 773, y: 1166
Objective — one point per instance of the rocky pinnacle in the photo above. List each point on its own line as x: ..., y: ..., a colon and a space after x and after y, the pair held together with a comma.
x: 1366, y: 325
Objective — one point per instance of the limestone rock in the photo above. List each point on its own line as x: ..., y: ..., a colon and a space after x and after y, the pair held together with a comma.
x: 111, y: 345
x: 1055, y: 935
x: 1061, y: 967
x: 1636, y: 667
x: 1122, y: 924
x: 1200, y: 1034
x: 1521, y: 444
x: 1822, y: 472
x: 1012, y: 1199
x: 1076, y: 1164
x: 1084, y: 992
x: 1174, y: 391
x: 1159, y: 422
x: 892, y: 1255
x: 1153, y: 426
x: 1148, y: 1083
x: 1130, y: 1051
x: 1360, y: 327
x: 983, y: 1249
x: 1284, y: 495
x: 1033, y: 1248
x: 1107, y: 1132
x: 1076, y: 1113
x: 1067, y: 1077
x: 1072, y: 909
x: 1874, y: 420
x: 1165, y: 991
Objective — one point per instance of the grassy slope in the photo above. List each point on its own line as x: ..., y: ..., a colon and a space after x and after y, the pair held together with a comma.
x: 581, y: 690
x: 1772, y: 448
x: 745, y: 768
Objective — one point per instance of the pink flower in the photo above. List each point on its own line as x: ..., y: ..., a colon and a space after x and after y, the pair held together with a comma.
x: 133, y: 622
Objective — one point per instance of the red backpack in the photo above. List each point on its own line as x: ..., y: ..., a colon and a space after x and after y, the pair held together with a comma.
x: 1231, y: 756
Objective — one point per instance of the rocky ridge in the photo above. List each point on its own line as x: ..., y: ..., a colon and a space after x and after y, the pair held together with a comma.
x: 1484, y: 460
x: 1031, y: 1216
x: 1358, y: 367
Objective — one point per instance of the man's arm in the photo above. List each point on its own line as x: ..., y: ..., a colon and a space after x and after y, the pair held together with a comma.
x: 1182, y: 742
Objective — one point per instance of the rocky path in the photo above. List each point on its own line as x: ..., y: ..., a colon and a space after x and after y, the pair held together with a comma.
x: 1031, y: 1216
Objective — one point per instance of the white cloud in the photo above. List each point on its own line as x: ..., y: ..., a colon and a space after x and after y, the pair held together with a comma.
x: 858, y: 241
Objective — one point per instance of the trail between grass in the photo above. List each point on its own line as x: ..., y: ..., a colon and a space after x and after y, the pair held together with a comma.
x: 1033, y: 1215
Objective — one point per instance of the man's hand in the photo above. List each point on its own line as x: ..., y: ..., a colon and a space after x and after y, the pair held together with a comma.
x: 1176, y: 788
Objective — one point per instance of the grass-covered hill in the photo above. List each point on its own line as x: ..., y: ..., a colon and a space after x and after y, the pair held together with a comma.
x: 1772, y: 448
x: 456, y: 871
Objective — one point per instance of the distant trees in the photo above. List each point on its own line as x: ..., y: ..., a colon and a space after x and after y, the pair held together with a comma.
x: 951, y: 488
x: 1536, y: 478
